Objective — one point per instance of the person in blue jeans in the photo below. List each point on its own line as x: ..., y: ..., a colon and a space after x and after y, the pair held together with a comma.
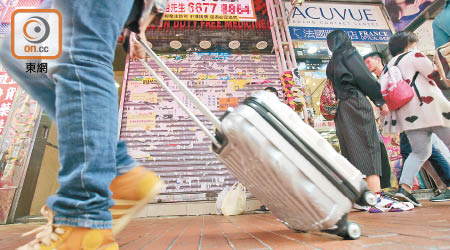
x: 441, y: 26
x: 437, y: 160
x: 78, y: 92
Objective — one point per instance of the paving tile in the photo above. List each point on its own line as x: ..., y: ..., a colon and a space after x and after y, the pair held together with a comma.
x: 138, y: 236
x: 424, y: 241
x: 212, y: 235
x: 237, y: 238
x: 396, y: 246
x: 166, y: 238
x: 273, y: 240
x: 190, y: 239
x: 423, y: 228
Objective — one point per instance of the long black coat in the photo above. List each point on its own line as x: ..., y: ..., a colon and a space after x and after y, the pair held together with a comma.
x: 355, y: 121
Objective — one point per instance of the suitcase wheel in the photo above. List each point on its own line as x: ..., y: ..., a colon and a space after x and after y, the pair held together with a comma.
x: 352, y: 232
x: 346, y: 229
x: 369, y: 198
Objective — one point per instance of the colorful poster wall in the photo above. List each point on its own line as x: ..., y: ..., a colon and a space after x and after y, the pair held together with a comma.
x: 162, y: 136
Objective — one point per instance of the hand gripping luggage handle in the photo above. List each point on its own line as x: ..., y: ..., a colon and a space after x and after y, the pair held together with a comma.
x: 211, y: 117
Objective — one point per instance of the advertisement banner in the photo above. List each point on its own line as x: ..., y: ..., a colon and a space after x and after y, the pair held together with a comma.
x: 8, y: 89
x: 404, y: 12
x: 208, y: 10
x: 314, y: 21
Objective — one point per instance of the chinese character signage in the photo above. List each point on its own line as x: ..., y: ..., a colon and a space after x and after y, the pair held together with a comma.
x: 226, y: 102
x: 366, y: 35
x: 209, y: 10
x: 8, y: 89
x: 314, y: 21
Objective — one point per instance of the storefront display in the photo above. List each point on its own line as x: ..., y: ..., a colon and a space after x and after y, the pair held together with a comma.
x: 18, y: 117
x: 16, y: 147
x: 309, y: 25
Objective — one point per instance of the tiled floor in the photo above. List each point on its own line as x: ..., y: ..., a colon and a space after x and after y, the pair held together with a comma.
x: 423, y: 228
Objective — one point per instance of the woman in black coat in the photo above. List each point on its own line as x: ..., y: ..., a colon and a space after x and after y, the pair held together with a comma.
x: 355, y: 122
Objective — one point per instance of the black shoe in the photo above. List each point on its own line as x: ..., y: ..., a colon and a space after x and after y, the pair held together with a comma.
x: 403, y: 195
x: 444, y: 196
x: 263, y: 208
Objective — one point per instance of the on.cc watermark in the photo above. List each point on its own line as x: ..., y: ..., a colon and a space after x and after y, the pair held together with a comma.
x: 36, y: 34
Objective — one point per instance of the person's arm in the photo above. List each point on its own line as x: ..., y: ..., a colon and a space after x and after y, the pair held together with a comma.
x: 144, y: 13
x: 421, y: 64
x: 364, y: 79
x: 136, y: 50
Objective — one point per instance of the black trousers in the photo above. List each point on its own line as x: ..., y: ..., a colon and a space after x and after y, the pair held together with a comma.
x: 385, y: 178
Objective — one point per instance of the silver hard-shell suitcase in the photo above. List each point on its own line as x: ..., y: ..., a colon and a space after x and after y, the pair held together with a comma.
x: 281, y: 160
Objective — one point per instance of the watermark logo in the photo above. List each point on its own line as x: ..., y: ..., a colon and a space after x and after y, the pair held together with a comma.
x: 36, y: 29
x: 36, y: 34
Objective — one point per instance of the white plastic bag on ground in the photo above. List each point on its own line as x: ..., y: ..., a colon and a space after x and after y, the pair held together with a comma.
x: 220, y: 198
x: 235, y: 200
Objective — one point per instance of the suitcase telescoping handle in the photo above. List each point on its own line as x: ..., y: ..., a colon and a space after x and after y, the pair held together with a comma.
x: 194, y: 99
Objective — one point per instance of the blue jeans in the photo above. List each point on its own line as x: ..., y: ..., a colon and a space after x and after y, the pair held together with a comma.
x: 441, y: 27
x: 79, y: 94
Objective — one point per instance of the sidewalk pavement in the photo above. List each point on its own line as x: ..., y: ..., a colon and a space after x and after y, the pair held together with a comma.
x: 427, y: 227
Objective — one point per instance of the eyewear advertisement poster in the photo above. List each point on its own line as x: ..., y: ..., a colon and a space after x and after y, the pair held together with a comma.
x: 403, y: 12
x: 363, y: 23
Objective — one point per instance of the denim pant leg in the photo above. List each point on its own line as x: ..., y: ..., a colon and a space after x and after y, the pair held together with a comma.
x: 124, y: 161
x: 441, y: 165
x: 42, y: 89
x: 444, y: 134
x: 441, y: 27
x: 86, y: 110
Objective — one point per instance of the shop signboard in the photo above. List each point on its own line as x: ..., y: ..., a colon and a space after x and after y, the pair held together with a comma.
x: 324, y: 124
x: 210, y: 10
x: 314, y: 21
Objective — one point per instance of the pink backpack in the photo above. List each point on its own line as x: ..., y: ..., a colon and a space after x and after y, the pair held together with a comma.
x: 396, y: 91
